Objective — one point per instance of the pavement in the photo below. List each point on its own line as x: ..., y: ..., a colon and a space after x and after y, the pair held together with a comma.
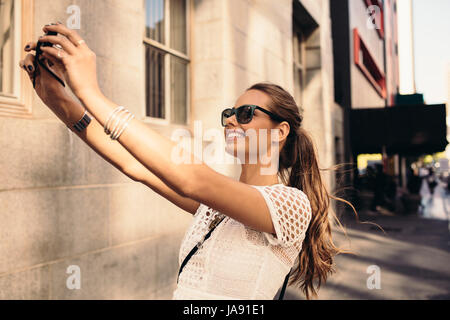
x: 409, y: 260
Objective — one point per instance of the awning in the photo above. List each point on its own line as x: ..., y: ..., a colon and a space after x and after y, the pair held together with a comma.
x: 407, y: 130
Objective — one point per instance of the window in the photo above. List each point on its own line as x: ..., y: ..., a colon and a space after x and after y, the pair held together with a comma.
x: 15, y: 31
x: 366, y: 63
x: 167, y: 60
x: 306, y: 50
x: 299, y: 64
x: 7, y: 41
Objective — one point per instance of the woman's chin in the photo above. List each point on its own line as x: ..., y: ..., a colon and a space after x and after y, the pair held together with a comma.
x: 233, y: 147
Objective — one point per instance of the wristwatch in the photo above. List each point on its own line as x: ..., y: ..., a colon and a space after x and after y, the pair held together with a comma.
x: 83, y: 122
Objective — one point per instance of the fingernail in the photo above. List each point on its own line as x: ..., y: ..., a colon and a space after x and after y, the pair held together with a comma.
x: 30, y: 68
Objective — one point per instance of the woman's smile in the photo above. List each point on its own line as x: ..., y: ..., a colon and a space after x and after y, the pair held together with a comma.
x: 234, y: 134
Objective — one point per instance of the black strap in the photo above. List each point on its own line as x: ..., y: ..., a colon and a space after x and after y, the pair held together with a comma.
x: 283, y: 289
x: 194, y: 250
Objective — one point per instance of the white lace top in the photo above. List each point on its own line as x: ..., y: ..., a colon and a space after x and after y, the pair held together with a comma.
x: 237, y: 262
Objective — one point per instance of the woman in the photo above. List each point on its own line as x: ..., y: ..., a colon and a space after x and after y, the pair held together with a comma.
x: 267, y: 228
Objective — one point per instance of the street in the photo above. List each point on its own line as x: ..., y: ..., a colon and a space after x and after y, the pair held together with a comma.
x: 413, y: 256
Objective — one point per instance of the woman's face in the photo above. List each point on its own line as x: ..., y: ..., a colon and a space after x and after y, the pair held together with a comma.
x: 249, y: 144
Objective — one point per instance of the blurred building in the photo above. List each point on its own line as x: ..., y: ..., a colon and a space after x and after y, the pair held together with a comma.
x: 406, y: 47
x: 365, y: 58
x: 170, y: 62
x: 366, y: 81
x: 447, y: 150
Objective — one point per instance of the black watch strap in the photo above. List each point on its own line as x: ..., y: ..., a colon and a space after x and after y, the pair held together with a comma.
x: 82, y: 123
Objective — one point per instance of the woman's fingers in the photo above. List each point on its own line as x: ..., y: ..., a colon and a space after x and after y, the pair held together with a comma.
x: 56, y: 65
x: 30, y: 46
x: 70, y: 34
x: 62, y: 41
x: 24, y: 65
x: 29, y: 63
x: 50, y: 59
x: 55, y: 54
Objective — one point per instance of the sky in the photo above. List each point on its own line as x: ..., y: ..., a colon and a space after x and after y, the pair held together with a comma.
x: 432, y: 49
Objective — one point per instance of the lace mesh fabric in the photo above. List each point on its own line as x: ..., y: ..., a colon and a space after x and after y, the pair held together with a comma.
x: 291, y: 212
x: 237, y: 262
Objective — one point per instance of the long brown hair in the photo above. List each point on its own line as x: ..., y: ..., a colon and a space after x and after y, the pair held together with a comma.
x: 298, y: 167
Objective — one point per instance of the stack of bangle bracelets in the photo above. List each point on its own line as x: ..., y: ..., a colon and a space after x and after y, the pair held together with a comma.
x: 115, y: 128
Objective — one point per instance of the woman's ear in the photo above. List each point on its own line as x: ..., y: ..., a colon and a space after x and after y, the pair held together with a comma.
x: 283, y: 131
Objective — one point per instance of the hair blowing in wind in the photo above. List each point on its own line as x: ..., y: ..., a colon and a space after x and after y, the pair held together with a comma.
x: 298, y: 167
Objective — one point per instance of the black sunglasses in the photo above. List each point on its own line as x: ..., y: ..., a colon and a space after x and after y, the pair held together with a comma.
x: 244, y: 114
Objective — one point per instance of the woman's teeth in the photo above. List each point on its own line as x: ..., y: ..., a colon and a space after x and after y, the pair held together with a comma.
x: 233, y: 135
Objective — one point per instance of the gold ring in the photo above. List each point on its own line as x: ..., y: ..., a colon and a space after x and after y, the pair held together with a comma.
x: 59, y: 53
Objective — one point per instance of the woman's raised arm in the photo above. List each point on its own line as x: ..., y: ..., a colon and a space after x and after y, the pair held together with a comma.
x: 70, y: 111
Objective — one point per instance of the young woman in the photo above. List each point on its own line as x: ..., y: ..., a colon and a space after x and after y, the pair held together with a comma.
x: 266, y: 229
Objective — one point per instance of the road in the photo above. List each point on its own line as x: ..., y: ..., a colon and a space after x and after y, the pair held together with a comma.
x: 412, y: 258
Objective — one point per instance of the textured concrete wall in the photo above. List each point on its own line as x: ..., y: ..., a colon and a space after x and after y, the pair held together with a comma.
x: 61, y: 204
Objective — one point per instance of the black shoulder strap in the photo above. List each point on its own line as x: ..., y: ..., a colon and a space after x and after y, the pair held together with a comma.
x: 283, y: 289
x: 194, y: 249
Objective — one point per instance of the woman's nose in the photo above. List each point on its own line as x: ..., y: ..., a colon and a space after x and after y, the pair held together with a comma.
x: 231, y: 120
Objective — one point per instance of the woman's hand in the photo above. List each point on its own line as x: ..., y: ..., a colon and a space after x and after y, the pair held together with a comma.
x: 75, y: 57
x: 51, y: 92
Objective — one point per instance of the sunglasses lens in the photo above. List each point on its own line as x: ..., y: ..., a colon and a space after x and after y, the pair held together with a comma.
x: 244, y: 114
x: 225, y: 114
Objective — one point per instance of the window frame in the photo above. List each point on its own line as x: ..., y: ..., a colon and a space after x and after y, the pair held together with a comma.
x: 299, y: 67
x: 373, y: 73
x: 19, y: 103
x: 167, y: 68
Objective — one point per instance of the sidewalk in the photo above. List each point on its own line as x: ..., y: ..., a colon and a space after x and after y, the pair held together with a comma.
x: 413, y: 257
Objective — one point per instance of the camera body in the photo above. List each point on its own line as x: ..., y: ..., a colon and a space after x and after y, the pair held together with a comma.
x: 37, y: 59
x: 45, y: 44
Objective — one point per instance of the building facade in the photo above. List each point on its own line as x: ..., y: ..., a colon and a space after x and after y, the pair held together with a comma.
x: 365, y: 54
x: 65, y: 211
